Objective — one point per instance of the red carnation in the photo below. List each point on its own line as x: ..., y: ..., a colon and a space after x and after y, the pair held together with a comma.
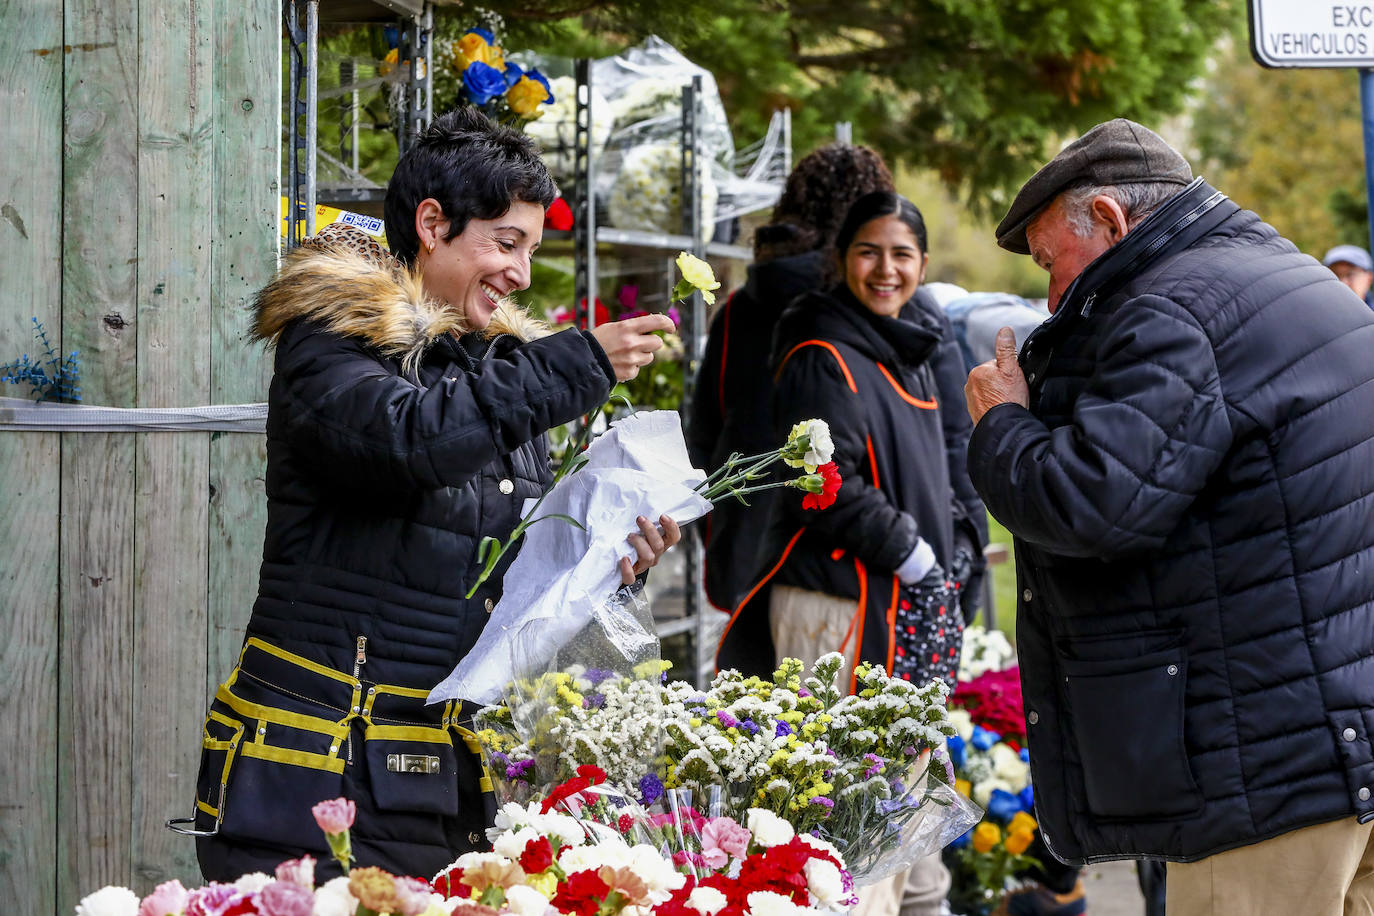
x: 559, y: 215
x: 538, y: 855
x: 830, y: 485
x: 582, y: 894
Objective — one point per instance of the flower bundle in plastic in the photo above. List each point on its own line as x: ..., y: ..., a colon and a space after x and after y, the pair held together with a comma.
x: 864, y: 772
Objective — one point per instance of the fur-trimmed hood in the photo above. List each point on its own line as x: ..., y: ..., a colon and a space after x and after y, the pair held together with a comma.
x: 372, y: 296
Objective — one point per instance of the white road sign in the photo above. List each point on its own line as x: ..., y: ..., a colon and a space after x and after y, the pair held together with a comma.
x: 1303, y: 33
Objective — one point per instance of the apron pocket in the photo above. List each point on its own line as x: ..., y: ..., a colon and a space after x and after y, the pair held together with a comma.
x: 412, y: 768
x: 1127, y: 717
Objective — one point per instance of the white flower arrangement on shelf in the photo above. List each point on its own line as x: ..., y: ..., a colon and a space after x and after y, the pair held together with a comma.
x: 647, y: 194
x: 556, y: 131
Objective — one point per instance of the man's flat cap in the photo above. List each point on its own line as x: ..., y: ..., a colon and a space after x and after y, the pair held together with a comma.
x: 1114, y: 153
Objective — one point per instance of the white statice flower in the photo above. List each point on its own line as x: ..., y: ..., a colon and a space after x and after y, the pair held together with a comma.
x: 523, y: 900
x: 333, y: 899
x: 706, y: 900
x: 767, y: 903
x: 109, y: 901
x: 512, y: 845
x: 657, y: 873
x: 962, y: 722
x: 824, y: 882
x: 767, y: 828
x: 982, y: 791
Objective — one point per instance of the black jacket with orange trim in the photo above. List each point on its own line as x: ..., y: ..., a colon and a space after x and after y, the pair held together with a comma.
x: 870, y: 379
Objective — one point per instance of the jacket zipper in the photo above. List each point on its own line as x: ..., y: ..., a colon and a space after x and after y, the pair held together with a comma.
x: 359, y: 659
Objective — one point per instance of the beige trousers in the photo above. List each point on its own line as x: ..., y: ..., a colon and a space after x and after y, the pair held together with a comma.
x: 1326, y: 870
x: 807, y: 625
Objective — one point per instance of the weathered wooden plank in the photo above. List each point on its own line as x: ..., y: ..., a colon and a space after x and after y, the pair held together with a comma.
x: 99, y: 245
x: 30, y: 233
x: 247, y: 156
x: 175, y: 227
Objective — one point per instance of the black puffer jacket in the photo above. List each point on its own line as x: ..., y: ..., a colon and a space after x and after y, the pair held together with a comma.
x: 394, y: 447
x: 732, y: 411
x: 869, y: 378
x: 1192, y: 493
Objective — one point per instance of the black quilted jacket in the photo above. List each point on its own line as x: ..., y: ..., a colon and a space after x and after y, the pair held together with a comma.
x: 1192, y: 494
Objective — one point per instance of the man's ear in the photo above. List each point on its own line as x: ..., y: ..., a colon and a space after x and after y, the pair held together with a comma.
x: 1109, y: 212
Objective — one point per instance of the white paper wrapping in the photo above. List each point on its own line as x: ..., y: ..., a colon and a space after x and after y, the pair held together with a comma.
x: 562, y: 573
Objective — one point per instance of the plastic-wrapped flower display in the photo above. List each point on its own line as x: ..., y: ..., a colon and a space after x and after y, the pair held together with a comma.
x: 556, y: 131
x: 647, y: 194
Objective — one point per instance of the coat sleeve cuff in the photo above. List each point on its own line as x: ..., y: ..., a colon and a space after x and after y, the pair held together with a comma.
x: 602, y: 359
x: 988, y: 466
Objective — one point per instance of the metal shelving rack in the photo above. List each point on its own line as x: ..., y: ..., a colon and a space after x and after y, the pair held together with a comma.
x: 415, y: 19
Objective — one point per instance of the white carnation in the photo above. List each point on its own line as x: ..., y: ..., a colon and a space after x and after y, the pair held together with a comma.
x: 512, y: 845
x: 821, y: 448
x: 824, y: 881
x: 768, y: 829
x: 706, y: 900
x: 767, y: 903
x: 109, y: 901
x: 525, y: 901
x: 656, y: 872
x: 333, y: 898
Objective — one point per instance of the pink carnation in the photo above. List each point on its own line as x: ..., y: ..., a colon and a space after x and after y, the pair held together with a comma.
x: 298, y: 871
x: 212, y: 899
x: 722, y: 837
x: 167, y: 899
x: 413, y: 896
x: 335, y: 815
x: 283, y: 898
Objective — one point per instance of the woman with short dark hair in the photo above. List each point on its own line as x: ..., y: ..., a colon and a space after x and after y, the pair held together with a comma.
x: 406, y: 422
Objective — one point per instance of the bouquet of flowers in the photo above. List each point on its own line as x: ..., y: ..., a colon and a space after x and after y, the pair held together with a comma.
x: 472, y: 69
x: 992, y: 766
x: 859, y: 771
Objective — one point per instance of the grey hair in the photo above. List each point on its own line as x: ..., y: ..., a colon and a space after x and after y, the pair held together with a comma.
x: 1138, y: 199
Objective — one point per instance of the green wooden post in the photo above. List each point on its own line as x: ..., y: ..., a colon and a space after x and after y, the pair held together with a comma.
x: 175, y: 229
x: 100, y: 253
x: 31, y: 62
x: 247, y: 194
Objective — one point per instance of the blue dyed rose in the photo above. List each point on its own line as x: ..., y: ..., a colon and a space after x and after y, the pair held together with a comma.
x: 958, y: 753
x: 1027, y: 797
x: 513, y: 72
x: 984, y: 739
x: 1002, y: 805
x: 483, y: 82
x: 962, y: 841
x: 487, y: 35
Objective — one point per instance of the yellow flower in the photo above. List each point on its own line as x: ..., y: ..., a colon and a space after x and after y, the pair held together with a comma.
x: 1022, y: 821
x: 698, y: 274
x: 545, y: 883
x: 964, y: 788
x: 985, y: 836
x: 525, y: 97
x: 389, y: 62
x: 374, y: 888
x: 1018, y: 841
x: 473, y: 48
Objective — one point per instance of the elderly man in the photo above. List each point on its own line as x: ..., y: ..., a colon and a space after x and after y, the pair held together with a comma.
x: 1352, y: 266
x: 1185, y: 454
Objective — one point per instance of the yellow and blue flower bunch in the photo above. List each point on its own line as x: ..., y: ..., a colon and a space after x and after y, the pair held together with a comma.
x: 485, y: 79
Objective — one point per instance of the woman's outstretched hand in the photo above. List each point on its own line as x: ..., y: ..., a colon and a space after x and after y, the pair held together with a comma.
x: 630, y: 344
x: 650, y: 542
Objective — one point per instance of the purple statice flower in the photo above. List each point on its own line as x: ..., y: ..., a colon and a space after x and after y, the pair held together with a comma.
x: 750, y: 726
x: 910, y: 751
x: 823, y: 802
x: 876, y: 765
x: 594, y: 701
x: 803, y: 692
x: 726, y: 719
x: 888, y: 805
x: 498, y: 757
x: 698, y: 700
x: 519, y: 768
x: 783, y: 730
x: 650, y: 788
x: 597, y: 675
